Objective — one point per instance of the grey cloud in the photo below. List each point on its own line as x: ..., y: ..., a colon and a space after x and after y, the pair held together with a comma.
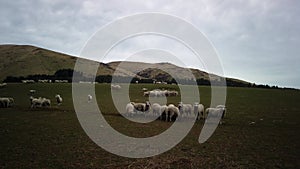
x: 256, y: 40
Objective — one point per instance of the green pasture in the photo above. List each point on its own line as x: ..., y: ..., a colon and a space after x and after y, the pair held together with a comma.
x: 53, y: 138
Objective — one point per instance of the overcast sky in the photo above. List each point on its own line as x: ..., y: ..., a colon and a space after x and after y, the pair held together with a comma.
x: 257, y: 41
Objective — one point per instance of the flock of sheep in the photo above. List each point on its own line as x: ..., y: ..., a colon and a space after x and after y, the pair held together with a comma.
x: 6, y: 102
x: 160, y: 93
x: 44, y: 102
x: 163, y: 112
x: 171, y: 112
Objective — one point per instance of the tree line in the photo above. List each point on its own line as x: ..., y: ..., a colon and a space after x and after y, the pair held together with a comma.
x: 67, y: 74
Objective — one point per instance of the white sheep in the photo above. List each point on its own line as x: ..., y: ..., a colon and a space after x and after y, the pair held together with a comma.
x: 165, y: 93
x: 223, y: 107
x: 173, y: 93
x: 173, y: 112
x: 214, y: 112
x: 6, y: 102
x: 39, y: 102
x: 153, y: 93
x: 46, y: 102
x: 3, y: 85
x: 163, y: 112
x: 129, y: 109
x: 90, y: 98
x: 115, y: 87
x: 31, y: 92
x: 199, y: 111
x: 58, y: 99
x: 156, y: 109
x: 141, y: 107
x: 146, y: 94
x: 35, y: 102
x: 185, y: 109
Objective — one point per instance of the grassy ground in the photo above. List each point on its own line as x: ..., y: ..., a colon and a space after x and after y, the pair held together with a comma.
x: 53, y: 137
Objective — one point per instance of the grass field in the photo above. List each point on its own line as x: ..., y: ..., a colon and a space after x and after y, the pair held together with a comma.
x: 53, y: 138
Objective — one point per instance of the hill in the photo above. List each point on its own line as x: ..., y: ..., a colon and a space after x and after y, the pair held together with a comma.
x: 24, y: 60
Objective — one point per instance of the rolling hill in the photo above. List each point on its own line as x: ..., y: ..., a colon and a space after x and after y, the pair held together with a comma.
x: 24, y: 60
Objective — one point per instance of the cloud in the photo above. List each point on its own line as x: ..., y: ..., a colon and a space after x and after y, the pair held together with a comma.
x: 256, y: 40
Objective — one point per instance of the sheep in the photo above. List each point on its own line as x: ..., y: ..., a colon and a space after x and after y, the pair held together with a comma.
x: 3, y: 85
x: 199, y: 111
x: 145, y: 89
x: 46, y: 102
x: 223, y: 108
x: 141, y: 107
x: 90, y: 97
x: 35, y: 102
x: 173, y: 93
x: 39, y: 102
x: 129, y: 109
x: 58, y: 99
x: 31, y: 92
x: 6, y: 102
x: 156, y: 93
x: 156, y: 109
x: 165, y: 93
x: 173, y: 112
x: 115, y: 87
x: 163, y: 112
x: 146, y: 94
x: 215, y: 112
x: 11, y: 102
x: 153, y: 93
x: 185, y: 109
x: 159, y: 110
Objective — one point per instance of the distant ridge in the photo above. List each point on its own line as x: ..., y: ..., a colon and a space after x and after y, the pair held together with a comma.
x: 24, y: 60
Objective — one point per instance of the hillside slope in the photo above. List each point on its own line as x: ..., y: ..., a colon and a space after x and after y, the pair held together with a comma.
x: 24, y: 60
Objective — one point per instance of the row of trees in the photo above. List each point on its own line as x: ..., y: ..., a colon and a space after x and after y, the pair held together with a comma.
x: 67, y: 74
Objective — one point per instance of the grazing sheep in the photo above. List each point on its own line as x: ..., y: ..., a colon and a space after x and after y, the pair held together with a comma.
x: 145, y: 89
x: 185, y: 109
x: 35, y: 102
x: 157, y: 93
x: 157, y: 109
x: 39, y: 102
x: 163, y: 112
x: 11, y: 102
x: 3, y: 85
x: 3, y: 102
x: 215, y: 112
x: 46, y: 102
x: 146, y: 94
x: 153, y: 93
x: 165, y: 93
x: 223, y: 108
x: 31, y: 92
x: 129, y: 109
x: 115, y: 87
x: 173, y: 93
x: 6, y: 102
x: 58, y: 99
x: 90, y: 97
x: 173, y: 113
x: 141, y: 107
x: 199, y: 111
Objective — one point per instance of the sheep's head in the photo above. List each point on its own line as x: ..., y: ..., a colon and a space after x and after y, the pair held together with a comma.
x: 147, y: 105
x: 180, y: 105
